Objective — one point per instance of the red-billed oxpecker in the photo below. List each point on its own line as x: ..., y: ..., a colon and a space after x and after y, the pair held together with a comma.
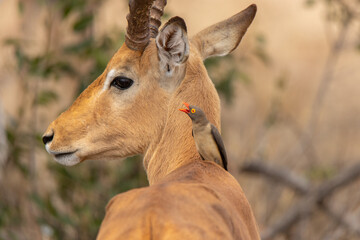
x: 207, y: 138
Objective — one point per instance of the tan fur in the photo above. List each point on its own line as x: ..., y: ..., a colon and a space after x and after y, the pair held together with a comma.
x: 196, y: 201
x: 187, y: 198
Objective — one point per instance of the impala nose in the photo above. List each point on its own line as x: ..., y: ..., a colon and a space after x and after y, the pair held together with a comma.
x: 48, y: 137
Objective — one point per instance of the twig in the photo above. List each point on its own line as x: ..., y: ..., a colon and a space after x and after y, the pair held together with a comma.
x: 279, y: 174
x: 328, y: 75
x: 312, y: 197
x: 305, y: 140
x: 345, y: 221
x: 345, y: 177
x: 290, y: 218
x: 3, y: 143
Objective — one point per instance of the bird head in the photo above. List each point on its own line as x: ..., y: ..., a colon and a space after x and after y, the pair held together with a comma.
x: 194, y: 112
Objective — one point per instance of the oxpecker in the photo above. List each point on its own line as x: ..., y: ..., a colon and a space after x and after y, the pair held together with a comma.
x: 207, y: 138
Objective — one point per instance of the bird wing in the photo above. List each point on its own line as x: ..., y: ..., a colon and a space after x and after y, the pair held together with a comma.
x: 217, y: 138
x: 192, y: 132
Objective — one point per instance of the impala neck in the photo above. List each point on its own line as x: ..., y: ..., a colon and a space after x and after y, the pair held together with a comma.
x: 174, y: 146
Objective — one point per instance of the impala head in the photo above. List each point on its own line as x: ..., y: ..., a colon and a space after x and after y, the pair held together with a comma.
x: 126, y: 109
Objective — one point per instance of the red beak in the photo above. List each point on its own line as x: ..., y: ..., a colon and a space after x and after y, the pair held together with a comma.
x: 184, y: 109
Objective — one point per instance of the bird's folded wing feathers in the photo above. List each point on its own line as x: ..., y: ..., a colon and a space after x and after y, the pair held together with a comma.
x: 217, y: 138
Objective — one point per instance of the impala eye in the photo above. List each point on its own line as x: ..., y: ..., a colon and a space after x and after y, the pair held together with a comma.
x: 122, y: 83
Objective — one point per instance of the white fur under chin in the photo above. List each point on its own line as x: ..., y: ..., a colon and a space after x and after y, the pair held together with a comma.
x: 67, y: 160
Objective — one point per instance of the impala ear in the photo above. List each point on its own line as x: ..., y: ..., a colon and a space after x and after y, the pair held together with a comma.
x: 223, y: 37
x: 172, y: 44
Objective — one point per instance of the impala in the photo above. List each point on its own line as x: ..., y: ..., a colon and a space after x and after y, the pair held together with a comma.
x: 132, y: 108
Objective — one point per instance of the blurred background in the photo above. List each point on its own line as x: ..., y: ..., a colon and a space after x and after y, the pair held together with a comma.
x: 290, y: 103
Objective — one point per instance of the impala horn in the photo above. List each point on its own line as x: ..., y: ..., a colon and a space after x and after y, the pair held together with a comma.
x: 156, y: 12
x: 137, y: 32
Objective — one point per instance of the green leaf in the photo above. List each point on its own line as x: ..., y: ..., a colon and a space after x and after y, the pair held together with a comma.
x: 39, y: 142
x: 50, y: 207
x: 262, y: 55
x: 45, y: 97
x: 215, y: 61
x: 66, y: 10
x: 260, y: 39
x: 81, y: 47
x: 225, y: 86
x: 35, y: 65
x: 12, y: 41
x: 244, y: 77
x: 35, y: 198
x: 212, y: 62
x: 166, y: 16
x: 281, y: 83
x: 260, y: 51
x: 321, y: 172
x: 310, y: 3
x: 83, y: 22
x: 65, y: 67
x: 68, y: 6
x: 21, y: 58
x: 273, y: 115
x: 21, y: 7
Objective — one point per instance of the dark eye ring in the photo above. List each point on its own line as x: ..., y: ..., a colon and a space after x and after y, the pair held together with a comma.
x: 122, y: 83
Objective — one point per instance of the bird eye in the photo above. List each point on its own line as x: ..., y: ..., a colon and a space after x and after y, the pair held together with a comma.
x: 122, y: 83
x: 193, y: 110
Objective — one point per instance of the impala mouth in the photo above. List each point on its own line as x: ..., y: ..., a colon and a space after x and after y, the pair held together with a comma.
x: 65, y: 158
x: 63, y: 155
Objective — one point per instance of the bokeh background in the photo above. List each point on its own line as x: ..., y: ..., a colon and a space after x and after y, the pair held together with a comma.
x: 290, y: 100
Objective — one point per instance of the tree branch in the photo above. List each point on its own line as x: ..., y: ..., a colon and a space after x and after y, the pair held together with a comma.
x: 346, y: 221
x: 313, y: 197
x: 279, y: 174
x: 345, y: 177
